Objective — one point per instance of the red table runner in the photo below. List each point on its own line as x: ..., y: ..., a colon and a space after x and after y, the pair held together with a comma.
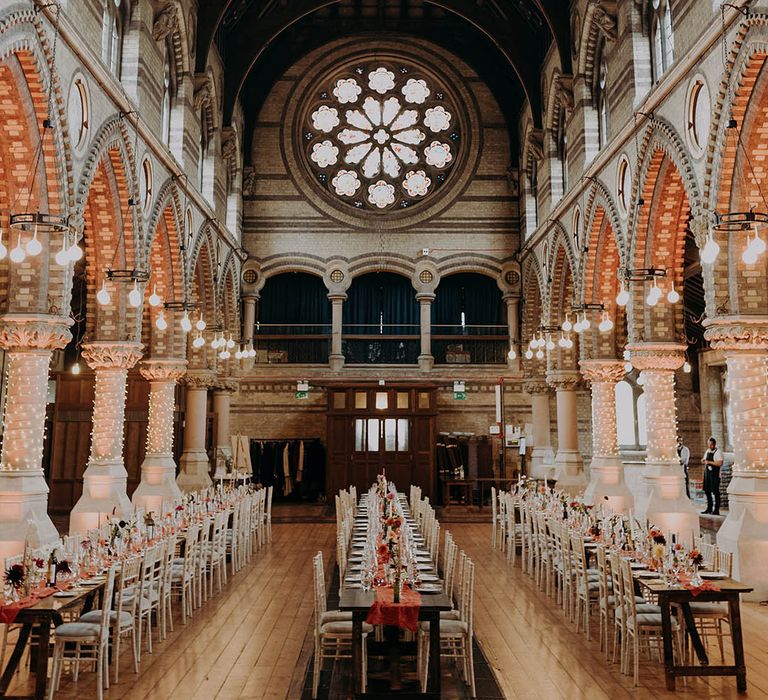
x: 385, y: 611
x: 695, y: 590
x: 9, y: 612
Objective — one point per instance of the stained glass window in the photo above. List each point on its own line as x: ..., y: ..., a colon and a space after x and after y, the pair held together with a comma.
x: 381, y: 137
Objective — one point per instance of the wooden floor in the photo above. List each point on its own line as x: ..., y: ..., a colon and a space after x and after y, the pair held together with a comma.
x: 252, y: 641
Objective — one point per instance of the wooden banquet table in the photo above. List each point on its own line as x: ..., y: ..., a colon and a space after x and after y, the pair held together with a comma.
x: 42, y: 614
x: 729, y: 592
x: 359, y: 602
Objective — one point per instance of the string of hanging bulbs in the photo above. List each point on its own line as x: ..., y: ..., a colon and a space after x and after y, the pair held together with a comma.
x: 656, y: 291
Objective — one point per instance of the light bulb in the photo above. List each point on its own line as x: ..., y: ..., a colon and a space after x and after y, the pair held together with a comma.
x: 34, y: 247
x: 224, y: 354
x: 18, y: 254
x: 252, y: 352
x: 749, y: 256
x: 550, y: 343
x: 651, y: 299
x: 528, y: 354
x: 75, y: 368
x: 186, y: 324
x: 198, y: 342
x: 567, y: 325
x: 511, y: 354
x: 641, y: 379
x: 561, y: 341
x: 160, y: 322
x: 672, y: 295
x: 539, y: 355
x: 103, y: 294
x: 758, y: 244
x: 134, y: 296
x: 238, y: 354
x: 200, y: 323
x: 75, y: 252
x: 215, y: 342
x: 627, y: 367
x: 568, y: 343
x: 154, y: 298
x: 687, y: 367
x: 710, y: 250
x: 622, y: 298
x: 606, y: 324
x: 3, y: 249
x: 585, y: 323
x: 62, y: 257
x: 230, y: 343
x: 626, y: 355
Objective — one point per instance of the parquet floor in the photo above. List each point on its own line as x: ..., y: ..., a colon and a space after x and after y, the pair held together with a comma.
x: 251, y: 642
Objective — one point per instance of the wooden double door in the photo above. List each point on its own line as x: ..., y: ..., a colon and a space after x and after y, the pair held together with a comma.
x: 375, y: 430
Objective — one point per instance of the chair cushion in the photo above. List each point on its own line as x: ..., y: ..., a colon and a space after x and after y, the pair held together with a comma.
x: 342, y: 628
x: 449, y: 615
x: 448, y: 628
x: 710, y: 609
x: 335, y: 616
x: 78, y: 630
x: 126, y: 618
x: 649, y: 620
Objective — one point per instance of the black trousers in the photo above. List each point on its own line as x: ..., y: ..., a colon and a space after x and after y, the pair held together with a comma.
x: 712, y: 488
x: 687, y: 482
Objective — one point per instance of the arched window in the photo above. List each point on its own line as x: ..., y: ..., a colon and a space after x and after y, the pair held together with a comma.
x: 203, y: 152
x: 625, y: 413
x: 601, y: 99
x: 535, y: 193
x: 112, y: 34
x: 562, y: 150
x: 165, y: 126
x: 662, y: 45
x: 577, y: 229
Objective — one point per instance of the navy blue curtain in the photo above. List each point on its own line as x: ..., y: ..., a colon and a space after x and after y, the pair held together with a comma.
x: 381, y: 296
x: 295, y: 298
x: 478, y: 296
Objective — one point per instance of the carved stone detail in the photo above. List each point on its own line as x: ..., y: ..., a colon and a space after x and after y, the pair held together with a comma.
x: 197, y: 379
x: 536, y: 143
x: 734, y: 333
x: 535, y: 386
x: 564, y: 380
x: 227, y: 384
x: 166, y: 21
x: 19, y: 332
x: 566, y: 92
x: 602, y: 370
x: 112, y: 354
x: 160, y: 369
x: 605, y: 18
x: 657, y: 356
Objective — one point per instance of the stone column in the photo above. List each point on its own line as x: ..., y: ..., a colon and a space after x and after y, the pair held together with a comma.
x: 222, y: 396
x: 336, y: 358
x: 513, y: 325
x: 569, y: 466
x: 249, y: 321
x: 426, y: 359
x: 194, y: 460
x: 158, y: 470
x: 606, y: 482
x: 542, y: 456
x: 664, y: 502
x: 105, y: 480
x: 745, y: 530
x: 28, y: 340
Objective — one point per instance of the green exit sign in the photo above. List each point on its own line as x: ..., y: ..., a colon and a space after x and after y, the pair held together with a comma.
x: 459, y: 395
x: 302, y: 394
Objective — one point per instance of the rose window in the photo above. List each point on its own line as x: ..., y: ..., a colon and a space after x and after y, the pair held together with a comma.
x: 382, y: 137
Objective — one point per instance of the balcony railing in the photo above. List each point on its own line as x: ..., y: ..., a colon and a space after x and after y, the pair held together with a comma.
x: 380, y: 343
x: 293, y: 344
x: 470, y: 344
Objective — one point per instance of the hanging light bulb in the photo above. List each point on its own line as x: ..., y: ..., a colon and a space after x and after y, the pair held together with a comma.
x: 154, y: 298
x: 550, y: 343
x: 134, y: 296
x: 103, y: 294
x: 230, y: 342
x: 749, y: 256
x: 199, y: 341
x: 200, y: 323
x: 605, y: 324
x: 186, y: 324
x: 252, y: 352
x: 651, y: 299
x: 529, y: 354
x: 539, y: 354
x: 225, y: 354
x: 622, y: 298
x: 3, y: 249
x: 561, y: 340
x: 511, y: 354
x: 568, y: 343
x: 673, y: 295
x: 160, y: 322
x: 238, y: 354
x: 62, y: 257
x: 34, y: 247
x: 627, y: 367
x: 641, y: 379
x: 75, y: 252
x: 757, y: 243
x: 75, y: 368
x: 687, y: 367
x: 567, y: 325
x: 710, y: 250
x: 585, y: 322
x: 18, y: 254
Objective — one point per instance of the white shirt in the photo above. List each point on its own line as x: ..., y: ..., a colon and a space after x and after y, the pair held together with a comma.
x: 717, y: 457
x: 685, y: 455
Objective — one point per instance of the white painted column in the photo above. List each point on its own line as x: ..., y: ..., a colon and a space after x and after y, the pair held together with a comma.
x: 542, y: 456
x: 513, y: 328
x: 606, y: 483
x: 222, y: 400
x: 745, y: 530
x: 195, y: 465
x: 664, y: 502
x: 105, y: 479
x: 336, y: 358
x: 28, y: 340
x: 426, y: 359
x: 569, y: 465
x: 158, y: 470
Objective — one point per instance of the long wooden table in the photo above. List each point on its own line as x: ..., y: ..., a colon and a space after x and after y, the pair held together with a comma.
x: 729, y: 592
x: 358, y: 602
x: 42, y: 614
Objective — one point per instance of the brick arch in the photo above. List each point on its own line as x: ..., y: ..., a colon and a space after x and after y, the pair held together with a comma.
x: 561, y: 297
x: 229, y: 295
x: 304, y: 262
x: 532, y: 314
x: 659, y: 241
x: 731, y: 286
x: 599, y: 197
x: 202, y: 292
x: 560, y: 241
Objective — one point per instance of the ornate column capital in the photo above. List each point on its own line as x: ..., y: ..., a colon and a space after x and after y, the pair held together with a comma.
x: 563, y: 379
x: 19, y: 332
x: 227, y: 385
x: 535, y: 386
x: 602, y: 370
x: 337, y: 296
x: 657, y: 356
x: 425, y: 297
x: 157, y: 369
x: 109, y: 354
x: 510, y: 298
x: 200, y: 379
x: 737, y: 333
